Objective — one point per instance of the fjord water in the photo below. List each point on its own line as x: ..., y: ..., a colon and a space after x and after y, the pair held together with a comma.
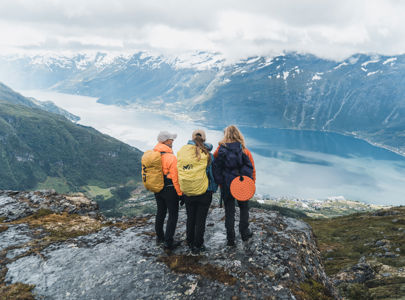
x: 293, y: 163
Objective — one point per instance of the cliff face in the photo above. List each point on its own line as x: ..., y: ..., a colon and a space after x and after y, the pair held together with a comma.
x: 59, y: 247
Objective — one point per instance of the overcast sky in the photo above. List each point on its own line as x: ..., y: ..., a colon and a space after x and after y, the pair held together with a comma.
x: 239, y: 28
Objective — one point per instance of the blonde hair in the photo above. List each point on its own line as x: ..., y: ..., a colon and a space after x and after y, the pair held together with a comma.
x: 232, y: 134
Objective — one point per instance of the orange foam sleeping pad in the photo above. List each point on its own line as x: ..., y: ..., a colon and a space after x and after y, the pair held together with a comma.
x: 242, y: 188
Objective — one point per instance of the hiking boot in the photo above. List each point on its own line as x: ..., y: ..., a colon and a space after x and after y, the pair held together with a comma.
x: 159, y: 241
x: 190, y: 245
x: 171, y: 246
x: 247, y: 235
x: 231, y: 243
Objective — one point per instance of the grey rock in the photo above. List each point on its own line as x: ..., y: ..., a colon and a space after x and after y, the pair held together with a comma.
x: 126, y: 264
x: 13, y: 209
x: 15, y: 235
x: 15, y: 205
x: 359, y: 273
x: 380, y: 243
x: 16, y: 252
x: 389, y: 254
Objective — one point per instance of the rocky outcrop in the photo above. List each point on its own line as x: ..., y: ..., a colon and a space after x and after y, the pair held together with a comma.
x: 118, y: 259
x: 16, y: 205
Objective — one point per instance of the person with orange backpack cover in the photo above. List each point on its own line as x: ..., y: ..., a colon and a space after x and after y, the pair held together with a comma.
x: 165, y: 187
x: 234, y: 160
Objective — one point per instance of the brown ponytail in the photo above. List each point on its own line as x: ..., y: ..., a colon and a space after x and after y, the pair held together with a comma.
x: 199, y: 142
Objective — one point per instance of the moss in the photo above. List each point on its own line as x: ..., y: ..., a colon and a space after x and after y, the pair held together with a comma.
x: 16, y: 291
x: 191, y: 265
x: 3, y: 228
x: 42, y: 212
x: 355, y: 291
x: 149, y: 233
x: 385, y: 281
x: 61, y: 226
x: 393, y: 291
x: 312, y: 290
x: 134, y: 222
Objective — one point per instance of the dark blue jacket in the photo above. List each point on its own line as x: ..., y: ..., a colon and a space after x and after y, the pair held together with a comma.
x: 230, y: 163
x: 212, y: 186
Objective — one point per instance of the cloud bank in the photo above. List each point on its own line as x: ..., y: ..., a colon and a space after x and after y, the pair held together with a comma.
x: 328, y: 29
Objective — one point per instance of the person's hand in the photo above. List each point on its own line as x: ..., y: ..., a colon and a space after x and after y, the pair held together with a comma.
x: 181, y: 199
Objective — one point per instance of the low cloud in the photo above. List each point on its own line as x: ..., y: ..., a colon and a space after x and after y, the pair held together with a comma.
x: 329, y: 29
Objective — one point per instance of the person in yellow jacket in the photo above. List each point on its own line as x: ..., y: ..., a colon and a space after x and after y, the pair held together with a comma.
x: 167, y: 199
x: 193, y: 164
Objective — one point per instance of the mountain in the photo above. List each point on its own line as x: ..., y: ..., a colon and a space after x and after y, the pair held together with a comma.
x: 361, y: 95
x: 40, y: 148
x: 58, y: 247
x: 9, y: 95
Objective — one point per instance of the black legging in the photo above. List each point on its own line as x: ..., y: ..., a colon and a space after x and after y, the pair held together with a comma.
x: 197, y: 211
x: 166, y: 200
x: 229, y: 204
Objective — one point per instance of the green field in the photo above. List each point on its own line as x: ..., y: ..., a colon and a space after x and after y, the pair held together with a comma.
x: 59, y: 184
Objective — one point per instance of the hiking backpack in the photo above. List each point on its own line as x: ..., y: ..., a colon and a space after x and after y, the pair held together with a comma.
x: 231, y: 163
x: 152, y: 171
x: 192, y: 173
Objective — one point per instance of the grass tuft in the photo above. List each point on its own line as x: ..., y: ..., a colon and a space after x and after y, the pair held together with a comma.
x: 312, y: 290
x: 191, y: 265
x: 16, y: 291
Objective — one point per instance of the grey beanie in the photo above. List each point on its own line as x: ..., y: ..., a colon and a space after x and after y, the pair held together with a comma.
x: 165, y: 135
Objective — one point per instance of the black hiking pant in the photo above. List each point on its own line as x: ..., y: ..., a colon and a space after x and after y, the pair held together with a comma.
x: 166, y: 200
x: 229, y: 204
x: 197, y: 211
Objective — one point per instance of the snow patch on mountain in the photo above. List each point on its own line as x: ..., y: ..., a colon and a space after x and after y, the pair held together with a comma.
x: 390, y: 60
x: 317, y: 76
x: 267, y: 62
x: 341, y: 65
x: 372, y: 73
x: 370, y: 62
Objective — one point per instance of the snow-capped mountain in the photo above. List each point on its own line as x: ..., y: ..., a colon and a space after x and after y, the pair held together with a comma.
x: 363, y: 95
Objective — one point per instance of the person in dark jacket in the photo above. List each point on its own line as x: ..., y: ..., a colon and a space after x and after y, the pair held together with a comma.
x: 233, y: 159
x: 197, y: 205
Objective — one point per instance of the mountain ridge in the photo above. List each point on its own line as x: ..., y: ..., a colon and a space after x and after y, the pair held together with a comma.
x: 360, y: 96
x: 40, y: 146
x: 11, y: 96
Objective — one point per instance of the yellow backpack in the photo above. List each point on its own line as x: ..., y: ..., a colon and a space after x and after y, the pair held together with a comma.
x: 152, y: 171
x: 192, y: 173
